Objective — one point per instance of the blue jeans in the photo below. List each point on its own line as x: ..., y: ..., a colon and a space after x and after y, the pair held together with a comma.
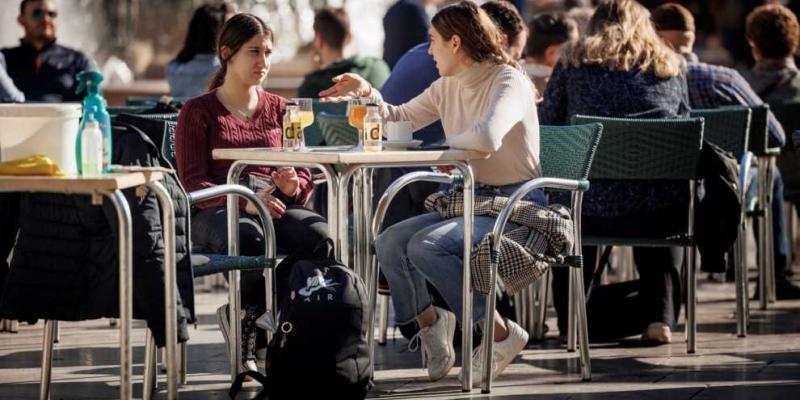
x: 428, y: 248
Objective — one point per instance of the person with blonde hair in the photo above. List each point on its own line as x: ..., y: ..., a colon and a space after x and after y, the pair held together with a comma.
x: 621, y: 68
x: 485, y: 104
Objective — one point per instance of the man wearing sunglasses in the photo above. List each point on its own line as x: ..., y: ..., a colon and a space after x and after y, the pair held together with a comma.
x: 42, y: 69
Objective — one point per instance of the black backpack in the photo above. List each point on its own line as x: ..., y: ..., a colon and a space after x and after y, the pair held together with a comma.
x: 320, y: 348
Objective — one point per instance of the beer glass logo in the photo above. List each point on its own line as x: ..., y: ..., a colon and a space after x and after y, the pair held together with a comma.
x: 375, y: 132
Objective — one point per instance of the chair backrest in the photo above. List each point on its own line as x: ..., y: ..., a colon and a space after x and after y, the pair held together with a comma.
x: 788, y: 114
x: 727, y: 128
x: 313, y: 134
x: 151, y: 101
x: 160, y: 128
x: 759, y: 130
x: 567, y: 151
x: 644, y: 149
x: 336, y: 131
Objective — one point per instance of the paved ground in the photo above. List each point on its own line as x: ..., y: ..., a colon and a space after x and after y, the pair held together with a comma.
x: 764, y: 365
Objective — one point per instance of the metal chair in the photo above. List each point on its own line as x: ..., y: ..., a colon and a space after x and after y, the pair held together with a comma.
x: 566, y: 157
x: 637, y: 150
x: 729, y: 129
x: 760, y: 208
x: 313, y: 133
x: 206, y: 265
x: 788, y: 163
x: 336, y: 131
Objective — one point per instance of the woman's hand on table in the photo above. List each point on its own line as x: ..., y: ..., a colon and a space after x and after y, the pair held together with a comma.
x: 275, y: 207
x: 285, y: 179
x: 346, y: 86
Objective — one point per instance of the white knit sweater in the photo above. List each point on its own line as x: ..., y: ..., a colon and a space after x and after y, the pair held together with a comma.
x: 488, y: 108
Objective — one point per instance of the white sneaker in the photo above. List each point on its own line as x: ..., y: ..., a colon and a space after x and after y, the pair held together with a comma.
x: 504, y: 352
x: 657, y: 333
x: 437, y: 344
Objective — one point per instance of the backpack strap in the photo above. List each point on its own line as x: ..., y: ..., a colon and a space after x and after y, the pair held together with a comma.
x: 236, y: 387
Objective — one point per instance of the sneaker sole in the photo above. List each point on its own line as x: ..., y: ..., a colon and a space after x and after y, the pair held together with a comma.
x: 224, y: 326
x: 451, y: 330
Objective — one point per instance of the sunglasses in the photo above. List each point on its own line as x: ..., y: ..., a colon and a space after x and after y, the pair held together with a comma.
x: 40, y: 13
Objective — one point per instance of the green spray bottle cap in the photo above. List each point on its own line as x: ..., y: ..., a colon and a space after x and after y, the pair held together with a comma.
x: 89, y: 81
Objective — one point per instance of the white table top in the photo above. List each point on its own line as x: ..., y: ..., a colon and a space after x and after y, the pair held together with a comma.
x: 77, y: 184
x: 340, y: 155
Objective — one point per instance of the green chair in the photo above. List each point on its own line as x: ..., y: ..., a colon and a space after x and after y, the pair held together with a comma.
x: 639, y: 150
x: 759, y: 208
x: 152, y: 101
x: 313, y: 134
x: 789, y: 163
x: 729, y: 128
x: 336, y: 131
x: 565, y: 157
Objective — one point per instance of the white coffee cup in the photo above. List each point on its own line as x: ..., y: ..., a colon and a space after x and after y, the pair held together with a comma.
x: 398, y: 131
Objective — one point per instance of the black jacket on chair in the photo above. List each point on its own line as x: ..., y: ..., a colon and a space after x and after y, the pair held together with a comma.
x: 64, y: 264
x: 718, y: 212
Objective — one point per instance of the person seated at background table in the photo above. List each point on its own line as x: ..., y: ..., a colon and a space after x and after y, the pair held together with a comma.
x: 331, y: 38
x: 773, y: 33
x: 41, y: 68
x: 236, y: 112
x: 485, y: 104
x: 405, y: 25
x: 621, y: 68
x: 188, y: 74
x: 712, y: 86
x: 513, y: 32
x: 549, y: 33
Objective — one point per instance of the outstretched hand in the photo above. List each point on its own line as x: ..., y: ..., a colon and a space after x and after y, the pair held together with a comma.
x: 346, y: 86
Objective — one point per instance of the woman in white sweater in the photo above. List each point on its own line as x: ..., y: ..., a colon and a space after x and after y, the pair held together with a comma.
x: 485, y: 104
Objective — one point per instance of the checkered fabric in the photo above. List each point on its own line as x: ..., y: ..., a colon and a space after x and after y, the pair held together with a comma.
x: 534, y: 240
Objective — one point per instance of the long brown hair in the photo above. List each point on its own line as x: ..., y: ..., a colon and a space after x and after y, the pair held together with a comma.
x: 480, y: 38
x: 621, y: 37
x: 234, y: 34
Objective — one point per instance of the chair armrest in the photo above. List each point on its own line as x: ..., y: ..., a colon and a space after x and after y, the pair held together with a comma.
x: 270, y: 248
x: 527, y: 187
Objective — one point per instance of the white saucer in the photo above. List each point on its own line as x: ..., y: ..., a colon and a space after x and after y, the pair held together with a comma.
x: 401, y: 144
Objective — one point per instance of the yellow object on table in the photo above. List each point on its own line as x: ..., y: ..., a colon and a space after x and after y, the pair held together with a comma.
x: 36, y: 165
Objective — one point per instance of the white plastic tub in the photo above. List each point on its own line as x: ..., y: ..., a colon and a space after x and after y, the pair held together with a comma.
x: 49, y: 129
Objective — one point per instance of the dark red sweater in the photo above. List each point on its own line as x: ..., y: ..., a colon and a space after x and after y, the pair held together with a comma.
x: 205, y: 124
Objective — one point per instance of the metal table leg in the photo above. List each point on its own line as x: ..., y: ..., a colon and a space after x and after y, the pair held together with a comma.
x: 47, y: 359
x: 125, y: 291
x: 170, y: 297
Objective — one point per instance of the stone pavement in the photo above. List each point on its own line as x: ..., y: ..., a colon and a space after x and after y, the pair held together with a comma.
x: 764, y: 365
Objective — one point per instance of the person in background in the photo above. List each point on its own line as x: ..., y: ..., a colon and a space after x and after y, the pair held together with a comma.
x: 188, y: 74
x: 41, y: 68
x: 405, y: 25
x: 236, y: 112
x: 773, y: 34
x: 513, y: 32
x: 713, y: 86
x: 622, y: 58
x: 331, y: 37
x: 549, y: 33
x: 8, y: 91
x: 485, y: 104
